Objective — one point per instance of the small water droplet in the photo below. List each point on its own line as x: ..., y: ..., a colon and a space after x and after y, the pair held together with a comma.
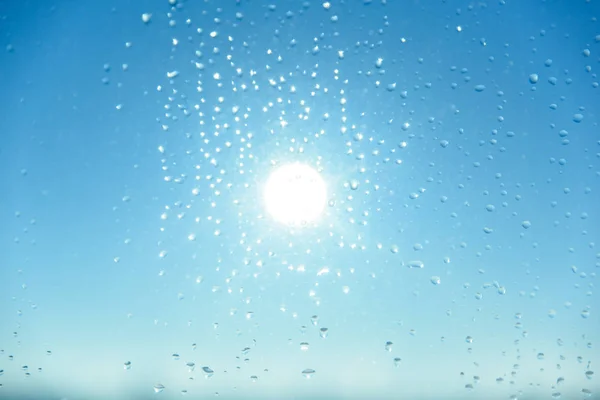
x: 534, y: 78
x: 436, y: 280
x: 304, y: 346
x: 308, y: 372
x: 416, y: 264
x: 388, y: 346
x: 207, y: 372
x: 127, y: 365
x: 158, y: 388
x: 324, y: 332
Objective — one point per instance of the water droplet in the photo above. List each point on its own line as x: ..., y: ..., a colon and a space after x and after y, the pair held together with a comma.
x: 540, y: 356
x: 490, y: 208
x: 191, y: 366
x: 324, y: 332
x: 556, y: 395
x: 127, y: 365
x: 436, y: 280
x: 479, y: 88
x: 589, y: 374
x: 158, y: 388
x: 469, y: 339
x: 552, y: 313
x: 175, y: 356
x: 526, y: 224
x: 585, y: 313
x: 304, y: 346
x: 308, y: 372
x: 354, y: 184
x: 388, y: 346
x: 207, y: 372
x: 416, y: 264
x: 397, y: 361
x: 146, y: 17
x: 534, y: 78
x: 253, y: 378
x: 577, y: 118
x: 314, y: 320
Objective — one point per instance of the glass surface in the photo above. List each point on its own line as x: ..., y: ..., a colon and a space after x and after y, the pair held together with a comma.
x: 360, y: 199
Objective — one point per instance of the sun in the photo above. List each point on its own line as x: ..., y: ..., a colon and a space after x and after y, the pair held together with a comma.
x: 295, y: 194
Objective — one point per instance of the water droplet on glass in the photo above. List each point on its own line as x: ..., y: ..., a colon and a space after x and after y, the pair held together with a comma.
x: 526, y: 224
x: 397, y: 361
x: 314, y: 320
x: 534, y: 78
x: 323, y: 332
x: 304, y: 346
x: 469, y: 339
x: 436, y: 280
x: 207, y: 372
x: 253, y: 378
x: 589, y: 374
x: 388, y: 346
x: 191, y: 366
x: 127, y: 365
x: 577, y: 118
x: 308, y: 372
x: 416, y: 264
x: 158, y: 388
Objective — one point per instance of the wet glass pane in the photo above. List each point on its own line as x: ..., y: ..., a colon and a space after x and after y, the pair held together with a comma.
x: 346, y: 199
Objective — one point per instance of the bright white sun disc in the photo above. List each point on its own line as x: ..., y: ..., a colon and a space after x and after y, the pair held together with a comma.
x: 295, y: 194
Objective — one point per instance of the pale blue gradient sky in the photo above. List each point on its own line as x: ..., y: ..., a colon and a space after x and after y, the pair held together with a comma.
x: 89, y: 202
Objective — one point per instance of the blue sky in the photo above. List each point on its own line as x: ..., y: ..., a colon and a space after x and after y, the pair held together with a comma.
x: 133, y: 224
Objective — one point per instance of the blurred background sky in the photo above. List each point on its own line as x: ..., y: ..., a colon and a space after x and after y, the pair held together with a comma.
x: 456, y: 136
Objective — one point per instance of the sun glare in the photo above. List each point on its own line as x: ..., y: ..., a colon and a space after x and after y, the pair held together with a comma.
x: 295, y: 194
